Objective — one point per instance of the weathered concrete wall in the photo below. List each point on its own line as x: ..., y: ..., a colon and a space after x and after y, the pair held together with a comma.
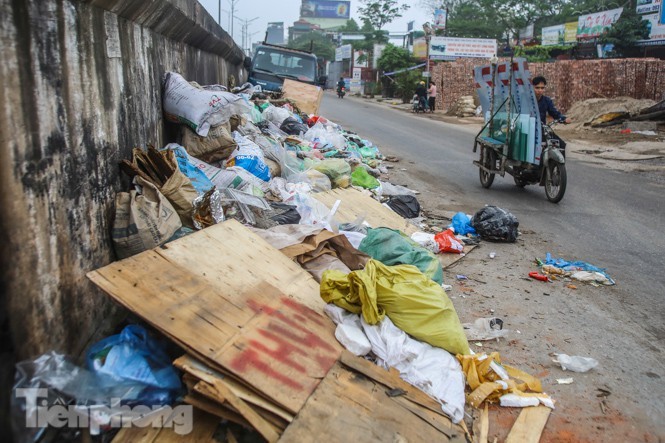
x: 80, y: 86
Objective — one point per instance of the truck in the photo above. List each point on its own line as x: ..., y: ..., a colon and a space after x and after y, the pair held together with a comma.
x: 271, y: 64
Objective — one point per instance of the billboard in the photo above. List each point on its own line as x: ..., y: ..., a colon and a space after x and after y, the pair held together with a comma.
x: 648, y: 6
x: 325, y: 9
x: 570, y: 32
x: 420, y: 48
x: 447, y: 48
x: 593, y: 25
x: 440, y: 17
x: 656, y: 29
x: 553, y: 35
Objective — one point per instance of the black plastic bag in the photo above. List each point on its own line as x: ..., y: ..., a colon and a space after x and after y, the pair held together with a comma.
x: 288, y: 214
x: 493, y: 223
x: 405, y: 205
x: 293, y: 127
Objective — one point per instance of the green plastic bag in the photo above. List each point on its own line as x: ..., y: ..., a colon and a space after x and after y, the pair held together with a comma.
x: 337, y: 170
x: 392, y: 248
x: 414, y: 303
x: 360, y: 177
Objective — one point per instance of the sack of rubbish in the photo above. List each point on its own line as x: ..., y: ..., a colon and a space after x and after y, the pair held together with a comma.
x: 485, y: 329
x: 575, y: 363
x: 199, y: 108
x: 405, y: 205
x: 249, y: 156
x: 496, y: 224
x: 216, y: 146
x: 144, y: 219
x: 448, y: 242
x: 199, y: 180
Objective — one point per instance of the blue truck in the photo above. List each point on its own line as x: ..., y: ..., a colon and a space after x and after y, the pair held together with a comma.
x: 271, y: 64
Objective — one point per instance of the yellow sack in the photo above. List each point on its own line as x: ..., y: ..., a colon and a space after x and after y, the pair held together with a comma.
x: 414, y: 303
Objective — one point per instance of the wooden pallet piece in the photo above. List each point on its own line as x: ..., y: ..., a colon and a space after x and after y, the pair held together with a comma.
x: 348, y: 406
x: 529, y: 425
x: 202, y: 403
x: 355, y: 203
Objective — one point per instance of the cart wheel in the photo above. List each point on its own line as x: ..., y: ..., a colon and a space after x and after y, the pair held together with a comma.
x: 519, y: 182
x: 555, y: 181
x: 487, y: 159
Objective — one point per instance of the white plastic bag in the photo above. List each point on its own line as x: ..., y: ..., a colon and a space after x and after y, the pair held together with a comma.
x: 353, y: 339
x: 276, y: 115
x: 576, y: 363
x: 426, y: 240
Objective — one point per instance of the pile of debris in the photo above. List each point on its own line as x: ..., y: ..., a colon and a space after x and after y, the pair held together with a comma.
x: 237, y: 243
x: 628, y: 112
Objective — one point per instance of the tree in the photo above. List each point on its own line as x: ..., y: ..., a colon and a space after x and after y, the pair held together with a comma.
x: 379, y: 13
x: 394, y: 58
x: 321, y: 45
x: 626, y: 31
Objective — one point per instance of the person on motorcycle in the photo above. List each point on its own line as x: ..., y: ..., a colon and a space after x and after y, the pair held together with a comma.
x: 340, y: 84
x: 546, y: 106
x: 421, y: 92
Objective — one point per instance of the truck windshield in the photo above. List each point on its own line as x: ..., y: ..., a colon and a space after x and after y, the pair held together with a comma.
x: 294, y: 65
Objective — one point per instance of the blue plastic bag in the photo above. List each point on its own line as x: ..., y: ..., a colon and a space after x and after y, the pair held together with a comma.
x: 461, y: 223
x: 132, y: 356
x: 573, y: 266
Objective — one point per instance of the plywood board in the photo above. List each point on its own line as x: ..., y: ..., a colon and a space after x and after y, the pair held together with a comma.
x: 348, y: 406
x: 529, y: 425
x: 355, y: 203
x: 307, y: 97
x: 259, y: 334
x: 202, y: 430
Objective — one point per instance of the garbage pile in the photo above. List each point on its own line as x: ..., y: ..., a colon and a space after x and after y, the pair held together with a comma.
x: 282, y: 218
x: 465, y: 106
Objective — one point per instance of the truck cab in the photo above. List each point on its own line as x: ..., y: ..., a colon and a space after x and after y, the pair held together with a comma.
x: 271, y: 64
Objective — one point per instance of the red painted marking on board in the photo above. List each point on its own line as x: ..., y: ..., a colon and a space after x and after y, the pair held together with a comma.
x: 287, y: 340
x: 249, y: 357
x: 485, y: 71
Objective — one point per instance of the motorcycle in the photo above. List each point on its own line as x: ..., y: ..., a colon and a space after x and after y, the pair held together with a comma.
x: 418, y: 105
x: 341, y: 91
x: 550, y: 172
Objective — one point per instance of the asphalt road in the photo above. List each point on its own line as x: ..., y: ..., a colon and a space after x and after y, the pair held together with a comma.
x: 611, y: 219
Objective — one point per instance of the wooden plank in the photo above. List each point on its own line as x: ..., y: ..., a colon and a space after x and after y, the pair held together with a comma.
x: 307, y: 97
x: 484, y: 425
x: 201, y: 402
x: 191, y: 366
x: 355, y: 203
x: 348, y: 407
x: 266, y: 429
x: 203, y: 428
x: 390, y: 379
x: 449, y: 259
x: 529, y: 425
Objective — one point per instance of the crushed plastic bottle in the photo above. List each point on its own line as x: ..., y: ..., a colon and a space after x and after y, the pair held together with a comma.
x: 576, y: 363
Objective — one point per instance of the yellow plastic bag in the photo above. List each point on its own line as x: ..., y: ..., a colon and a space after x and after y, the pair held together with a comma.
x: 414, y: 303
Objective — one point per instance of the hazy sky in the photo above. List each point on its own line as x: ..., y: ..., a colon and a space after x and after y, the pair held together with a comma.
x: 288, y: 11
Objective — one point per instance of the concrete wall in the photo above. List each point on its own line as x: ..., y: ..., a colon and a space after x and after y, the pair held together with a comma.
x: 80, y: 86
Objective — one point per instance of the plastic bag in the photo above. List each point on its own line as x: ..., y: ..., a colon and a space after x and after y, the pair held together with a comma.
x: 448, y: 242
x: 388, y: 189
x: 392, y: 248
x: 405, y: 205
x: 360, y: 177
x: 414, y: 303
x: 461, y: 223
x: 353, y: 339
x: 493, y: 223
x: 293, y: 127
x: 576, y: 363
x: 249, y: 156
x: 276, y: 115
x: 426, y: 240
x: 337, y: 170
x: 133, y: 356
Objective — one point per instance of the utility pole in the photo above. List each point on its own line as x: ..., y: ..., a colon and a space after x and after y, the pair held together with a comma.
x: 233, y: 13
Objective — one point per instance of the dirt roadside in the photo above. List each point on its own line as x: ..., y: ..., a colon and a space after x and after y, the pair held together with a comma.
x: 549, y: 318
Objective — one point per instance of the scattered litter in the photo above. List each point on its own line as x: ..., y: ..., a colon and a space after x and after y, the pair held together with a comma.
x: 461, y: 277
x: 539, y: 276
x: 575, y: 363
x: 565, y: 381
x: 492, y: 254
x: 575, y: 266
x: 446, y: 287
x: 485, y: 329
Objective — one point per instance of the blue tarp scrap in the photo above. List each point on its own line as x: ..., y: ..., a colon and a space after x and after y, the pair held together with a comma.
x: 572, y: 266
